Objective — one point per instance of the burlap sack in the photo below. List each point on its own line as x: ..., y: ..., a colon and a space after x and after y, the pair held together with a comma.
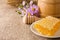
x: 14, y: 2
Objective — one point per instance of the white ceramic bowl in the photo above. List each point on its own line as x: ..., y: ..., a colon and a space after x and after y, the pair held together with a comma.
x: 39, y: 34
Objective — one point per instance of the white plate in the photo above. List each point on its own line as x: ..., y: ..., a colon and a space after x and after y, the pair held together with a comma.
x: 39, y: 34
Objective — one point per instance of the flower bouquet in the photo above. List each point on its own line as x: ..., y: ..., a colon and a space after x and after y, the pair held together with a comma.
x: 25, y: 8
x: 28, y: 11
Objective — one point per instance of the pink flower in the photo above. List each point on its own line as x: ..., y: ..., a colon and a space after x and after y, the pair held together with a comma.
x: 33, y: 10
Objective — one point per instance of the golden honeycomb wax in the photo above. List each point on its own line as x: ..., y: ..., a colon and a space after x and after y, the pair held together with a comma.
x: 47, y: 26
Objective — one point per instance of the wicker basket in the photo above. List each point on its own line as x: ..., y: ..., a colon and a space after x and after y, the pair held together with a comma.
x: 49, y: 7
x: 14, y: 2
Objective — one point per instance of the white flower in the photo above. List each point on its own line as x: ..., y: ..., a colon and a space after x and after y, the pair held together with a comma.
x: 23, y: 3
x: 31, y: 2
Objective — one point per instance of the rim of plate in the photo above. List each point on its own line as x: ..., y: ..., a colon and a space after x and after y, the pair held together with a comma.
x: 39, y: 34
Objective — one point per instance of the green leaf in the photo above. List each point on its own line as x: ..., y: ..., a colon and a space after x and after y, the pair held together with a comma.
x: 20, y: 6
x: 18, y: 12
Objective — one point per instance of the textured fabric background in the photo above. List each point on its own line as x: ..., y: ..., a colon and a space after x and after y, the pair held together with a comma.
x: 16, y: 2
x: 11, y: 25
